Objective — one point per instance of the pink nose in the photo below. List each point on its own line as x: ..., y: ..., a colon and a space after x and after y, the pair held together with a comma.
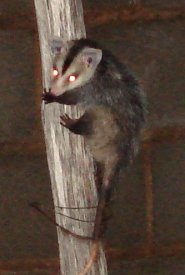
x: 54, y: 92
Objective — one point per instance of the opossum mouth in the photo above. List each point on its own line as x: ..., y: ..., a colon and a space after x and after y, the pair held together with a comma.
x: 68, y: 98
x: 57, y: 93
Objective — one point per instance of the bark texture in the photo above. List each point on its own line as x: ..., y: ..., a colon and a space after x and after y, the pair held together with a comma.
x: 70, y: 164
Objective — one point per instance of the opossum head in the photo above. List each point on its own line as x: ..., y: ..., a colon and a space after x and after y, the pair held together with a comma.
x: 74, y: 65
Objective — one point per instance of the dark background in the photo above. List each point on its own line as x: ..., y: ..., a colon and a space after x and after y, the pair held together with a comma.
x: 147, y: 232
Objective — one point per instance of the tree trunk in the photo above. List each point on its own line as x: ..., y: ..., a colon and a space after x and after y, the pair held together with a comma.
x: 70, y: 164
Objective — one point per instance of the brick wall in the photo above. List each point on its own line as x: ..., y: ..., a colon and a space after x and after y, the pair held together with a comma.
x: 146, y: 232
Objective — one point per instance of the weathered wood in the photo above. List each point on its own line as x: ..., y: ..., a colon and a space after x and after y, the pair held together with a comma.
x: 70, y: 165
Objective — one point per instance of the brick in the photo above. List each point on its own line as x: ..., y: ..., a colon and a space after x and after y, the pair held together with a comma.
x: 23, y: 230
x: 16, y: 6
x: 164, y: 3
x: 167, y: 266
x: 19, y: 114
x: 169, y: 192
x: 107, y: 3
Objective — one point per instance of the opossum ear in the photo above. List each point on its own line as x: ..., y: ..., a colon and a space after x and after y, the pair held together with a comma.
x: 91, y: 57
x: 57, y: 45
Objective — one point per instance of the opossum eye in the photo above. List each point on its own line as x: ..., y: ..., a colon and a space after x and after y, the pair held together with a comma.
x: 72, y: 77
x: 55, y: 72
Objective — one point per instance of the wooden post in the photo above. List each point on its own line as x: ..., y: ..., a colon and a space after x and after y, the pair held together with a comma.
x: 70, y: 165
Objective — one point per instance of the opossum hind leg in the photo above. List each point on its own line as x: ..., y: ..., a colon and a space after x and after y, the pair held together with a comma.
x: 104, y: 197
x: 99, y: 171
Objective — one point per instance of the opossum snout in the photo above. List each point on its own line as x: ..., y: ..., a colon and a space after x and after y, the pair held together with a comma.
x: 57, y: 90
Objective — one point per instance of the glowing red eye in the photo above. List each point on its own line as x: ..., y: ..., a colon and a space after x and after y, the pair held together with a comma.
x: 72, y: 78
x: 55, y: 72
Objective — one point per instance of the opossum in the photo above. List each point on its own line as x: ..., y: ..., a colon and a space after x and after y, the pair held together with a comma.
x: 85, y: 73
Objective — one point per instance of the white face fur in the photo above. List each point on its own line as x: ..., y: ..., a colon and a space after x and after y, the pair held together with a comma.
x: 80, y: 71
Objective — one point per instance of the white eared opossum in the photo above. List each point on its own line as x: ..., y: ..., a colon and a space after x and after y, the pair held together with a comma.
x: 87, y: 74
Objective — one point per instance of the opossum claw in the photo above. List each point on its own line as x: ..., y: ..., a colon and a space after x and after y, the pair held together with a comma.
x: 48, y: 97
x: 66, y: 121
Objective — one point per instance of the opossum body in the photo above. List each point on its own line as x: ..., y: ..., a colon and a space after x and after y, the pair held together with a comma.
x: 85, y: 73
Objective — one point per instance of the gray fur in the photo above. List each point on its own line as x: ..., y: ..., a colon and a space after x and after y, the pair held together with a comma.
x: 114, y: 108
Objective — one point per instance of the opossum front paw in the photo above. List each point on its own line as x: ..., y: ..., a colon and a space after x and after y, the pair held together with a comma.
x: 67, y: 122
x: 48, y: 97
